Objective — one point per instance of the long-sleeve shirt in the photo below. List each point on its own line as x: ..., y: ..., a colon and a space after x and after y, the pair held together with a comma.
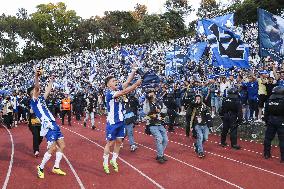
x: 252, y: 88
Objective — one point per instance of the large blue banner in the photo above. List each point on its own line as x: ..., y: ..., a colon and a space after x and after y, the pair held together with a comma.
x: 225, y: 21
x: 195, y: 51
x: 227, y: 47
x: 271, y: 35
x: 174, y: 59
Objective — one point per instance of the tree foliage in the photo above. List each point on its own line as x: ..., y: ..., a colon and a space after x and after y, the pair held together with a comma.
x: 55, y: 30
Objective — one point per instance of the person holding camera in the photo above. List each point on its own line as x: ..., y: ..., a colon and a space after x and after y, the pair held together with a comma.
x: 201, y: 121
x: 8, y: 112
x: 91, y: 109
x: 152, y: 109
x: 130, y: 116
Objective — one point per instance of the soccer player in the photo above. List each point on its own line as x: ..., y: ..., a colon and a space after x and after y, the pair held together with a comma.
x: 115, y: 128
x: 49, y: 128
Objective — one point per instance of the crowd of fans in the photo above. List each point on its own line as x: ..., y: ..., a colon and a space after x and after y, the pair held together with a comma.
x: 79, y: 75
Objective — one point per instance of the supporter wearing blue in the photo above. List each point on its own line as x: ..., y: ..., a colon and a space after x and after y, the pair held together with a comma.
x: 49, y: 128
x: 115, y: 128
x: 252, y: 88
x: 279, y: 78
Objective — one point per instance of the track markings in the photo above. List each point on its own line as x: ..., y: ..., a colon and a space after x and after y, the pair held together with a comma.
x: 192, y: 166
x: 11, y: 160
x: 137, y: 170
x: 196, y: 168
x: 227, y: 158
x: 74, y: 172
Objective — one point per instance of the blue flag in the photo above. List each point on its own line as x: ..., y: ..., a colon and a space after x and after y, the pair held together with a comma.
x: 227, y: 47
x: 195, y: 51
x: 124, y: 52
x: 225, y: 21
x: 174, y: 59
x: 271, y: 35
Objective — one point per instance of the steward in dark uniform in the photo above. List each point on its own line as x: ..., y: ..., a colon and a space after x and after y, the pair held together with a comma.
x: 274, y: 118
x: 231, y: 114
x: 172, y: 106
x: 188, y: 102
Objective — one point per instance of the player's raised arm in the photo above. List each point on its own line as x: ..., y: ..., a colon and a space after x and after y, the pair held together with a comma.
x: 49, y: 87
x: 36, y: 90
x: 128, y: 89
x: 130, y: 77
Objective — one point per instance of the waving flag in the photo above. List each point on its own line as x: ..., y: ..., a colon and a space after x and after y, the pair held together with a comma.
x: 124, y: 52
x: 227, y: 47
x: 195, y: 51
x: 225, y: 21
x: 271, y: 35
x: 174, y: 59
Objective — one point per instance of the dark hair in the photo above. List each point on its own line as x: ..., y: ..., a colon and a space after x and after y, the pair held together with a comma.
x: 108, y: 78
x: 29, y: 90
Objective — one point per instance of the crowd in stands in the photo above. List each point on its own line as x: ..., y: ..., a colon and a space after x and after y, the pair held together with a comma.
x: 81, y: 73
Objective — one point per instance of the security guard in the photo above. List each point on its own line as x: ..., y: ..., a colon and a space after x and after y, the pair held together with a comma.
x: 274, y: 118
x: 66, y: 108
x: 188, y: 101
x: 231, y: 114
x: 171, y: 105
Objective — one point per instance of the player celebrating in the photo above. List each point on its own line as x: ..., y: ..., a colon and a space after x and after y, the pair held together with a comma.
x: 49, y: 128
x: 115, y: 129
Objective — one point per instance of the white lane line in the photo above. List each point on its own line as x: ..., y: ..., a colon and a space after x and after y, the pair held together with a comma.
x: 215, y: 142
x: 196, y: 168
x: 74, y: 172
x: 192, y: 166
x: 11, y: 160
x: 227, y: 158
x: 140, y: 172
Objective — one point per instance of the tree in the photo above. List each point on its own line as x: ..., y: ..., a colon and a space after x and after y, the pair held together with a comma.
x: 180, y: 6
x: 208, y: 9
x: 55, y: 27
x: 176, y: 23
x: 118, y: 27
x: 139, y: 12
x: 154, y: 28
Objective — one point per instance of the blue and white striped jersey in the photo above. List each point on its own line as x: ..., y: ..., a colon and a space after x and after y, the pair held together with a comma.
x: 40, y: 109
x: 114, y: 108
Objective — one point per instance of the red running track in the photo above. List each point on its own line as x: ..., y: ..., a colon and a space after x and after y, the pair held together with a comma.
x: 222, y: 167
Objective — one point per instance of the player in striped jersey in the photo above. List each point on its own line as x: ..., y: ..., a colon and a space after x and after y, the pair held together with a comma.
x: 49, y: 128
x: 115, y: 129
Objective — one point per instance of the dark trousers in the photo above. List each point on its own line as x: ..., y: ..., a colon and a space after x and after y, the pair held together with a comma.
x: 23, y: 113
x: 187, y: 127
x: 270, y: 133
x: 56, y: 111
x: 253, y: 108
x: 63, y: 113
x: 229, y: 123
x: 37, y: 139
x: 8, y: 120
x: 172, y: 116
x: 77, y: 111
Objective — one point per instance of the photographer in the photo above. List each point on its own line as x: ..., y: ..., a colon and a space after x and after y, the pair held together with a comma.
x: 91, y: 109
x: 130, y: 116
x: 8, y: 112
x: 152, y: 109
x: 200, y: 121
